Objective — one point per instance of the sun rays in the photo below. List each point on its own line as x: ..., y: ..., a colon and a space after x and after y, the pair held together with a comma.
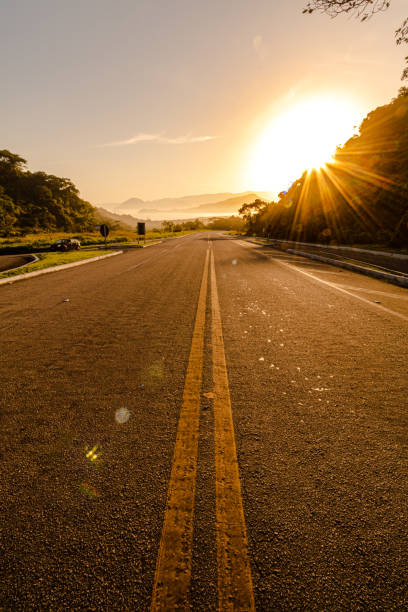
x: 332, y: 191
x: 303, y: 136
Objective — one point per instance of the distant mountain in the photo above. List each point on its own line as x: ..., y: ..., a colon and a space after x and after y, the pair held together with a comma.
x: 135, y: 204
x: 186, y: 206
x: 127, y: 220
x: 231, y: 205
x: 131, y: 203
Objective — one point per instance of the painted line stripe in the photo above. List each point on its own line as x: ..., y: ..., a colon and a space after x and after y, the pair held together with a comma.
x: 173, y: 569
x: 145, y: 261
x: 235, y: 590
x: 334, y: 286
x: 245, y: 244
x: 138, y: 265
x: 396, y: 296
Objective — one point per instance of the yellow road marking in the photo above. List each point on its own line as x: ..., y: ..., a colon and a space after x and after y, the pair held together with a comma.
x: 173, y: 569
x: 235, y: 591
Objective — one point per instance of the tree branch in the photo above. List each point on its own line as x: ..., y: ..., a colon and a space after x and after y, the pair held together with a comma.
x: 362, y: 9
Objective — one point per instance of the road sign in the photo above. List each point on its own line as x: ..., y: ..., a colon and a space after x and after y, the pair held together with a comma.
x: 141, y: 229
x: 104, y: 229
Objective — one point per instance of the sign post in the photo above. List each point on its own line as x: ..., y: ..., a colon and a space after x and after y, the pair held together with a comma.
x: 141, y: 231
x: 104, y: 229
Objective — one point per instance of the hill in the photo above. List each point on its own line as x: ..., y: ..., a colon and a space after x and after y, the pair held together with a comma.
x: 31, y: 201
x: 125, y: 220
x: 166, y: 204
x: 183, y: 207
x: 361, y: 197
x: 231, y: 205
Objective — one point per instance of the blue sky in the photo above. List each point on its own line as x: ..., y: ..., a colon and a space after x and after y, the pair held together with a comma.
x: 150, y: 99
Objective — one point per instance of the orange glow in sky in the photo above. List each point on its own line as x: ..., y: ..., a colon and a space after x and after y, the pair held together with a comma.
x: 303, y: 136
x: 164, y: 99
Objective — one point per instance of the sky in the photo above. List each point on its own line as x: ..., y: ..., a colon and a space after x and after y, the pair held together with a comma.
x: 151, y: 98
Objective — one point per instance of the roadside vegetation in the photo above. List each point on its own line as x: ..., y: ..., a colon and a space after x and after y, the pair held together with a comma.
x: 41, y: 241
x: 32, y: 201
x: 47, y: 260
x: 360, y: 197
x: 37, y: 208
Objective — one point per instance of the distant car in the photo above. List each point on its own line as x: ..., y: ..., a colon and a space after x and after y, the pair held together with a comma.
x: 66, y: 244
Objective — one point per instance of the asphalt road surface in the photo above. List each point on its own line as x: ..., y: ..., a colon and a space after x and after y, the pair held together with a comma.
x: 7, y: 262
x: 204, y: 424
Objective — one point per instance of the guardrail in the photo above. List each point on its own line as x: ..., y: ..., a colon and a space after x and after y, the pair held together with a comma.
x: 340, y: 246
x: 399, y: 279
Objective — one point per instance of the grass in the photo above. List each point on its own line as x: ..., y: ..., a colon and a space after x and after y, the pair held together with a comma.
x: 31, y: 242
x: 47, y: 260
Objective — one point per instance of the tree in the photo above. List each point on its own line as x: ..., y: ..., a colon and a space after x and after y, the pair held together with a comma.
x: 362, y: 9
x: 361, y: 197
x: 8, y: 214
x: 37, y: 200
x: 232, y: 223
x: 250, y: 212
x: 11, y: 160
x: 168, y: 226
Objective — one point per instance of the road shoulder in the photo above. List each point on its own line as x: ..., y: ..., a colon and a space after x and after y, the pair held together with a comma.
x: 18, y: 277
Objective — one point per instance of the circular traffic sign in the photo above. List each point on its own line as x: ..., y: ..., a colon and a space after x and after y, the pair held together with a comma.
x: 104, y: 229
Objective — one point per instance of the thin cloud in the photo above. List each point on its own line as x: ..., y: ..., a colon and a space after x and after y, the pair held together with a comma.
x: 158, y: 138
x: 259, y: 46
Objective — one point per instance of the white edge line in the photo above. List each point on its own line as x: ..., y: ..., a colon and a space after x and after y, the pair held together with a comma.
x: 13, y: 279
x: 357, y: 297
x: 372, y: 272
x: 333, y: 286
x: 138, y: 265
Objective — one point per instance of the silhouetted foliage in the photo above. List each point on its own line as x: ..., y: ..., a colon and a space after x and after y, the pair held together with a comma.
x: 171, y: 226
x: 251, y: 212
x: 31, y: 201
x: 361, y: 197
x: 363, y: 9
x: 232, y: 223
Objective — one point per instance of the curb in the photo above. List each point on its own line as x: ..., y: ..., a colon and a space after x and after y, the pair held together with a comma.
x: 123, y: 246
x: 35, y: 258
x: 401, y: 281
x: 152, y: 244
x: 12, y: 279
x: 341, y: 247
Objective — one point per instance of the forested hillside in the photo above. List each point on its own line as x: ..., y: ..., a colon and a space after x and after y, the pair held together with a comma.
x: 361, y: 197
x: 31, y: 201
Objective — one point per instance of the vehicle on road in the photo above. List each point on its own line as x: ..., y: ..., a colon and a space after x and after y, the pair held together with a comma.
x: 66, y: 244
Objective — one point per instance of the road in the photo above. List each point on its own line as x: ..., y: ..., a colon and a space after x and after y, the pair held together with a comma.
x: 7, y: 262
x: 388, y: 262
x: 261, y: 396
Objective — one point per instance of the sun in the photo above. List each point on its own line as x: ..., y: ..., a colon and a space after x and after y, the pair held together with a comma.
x: 302, y: 137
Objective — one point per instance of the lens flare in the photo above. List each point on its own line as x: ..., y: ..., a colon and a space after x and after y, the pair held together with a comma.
x: 89, y: 490
x: 92, y: 455
x: 303, y: 137
x: 122, y: 415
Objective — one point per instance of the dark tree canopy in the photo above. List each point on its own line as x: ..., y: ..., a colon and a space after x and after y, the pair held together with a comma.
x: 11, y: 160
x: 360, y: 198
x: 38, y: 201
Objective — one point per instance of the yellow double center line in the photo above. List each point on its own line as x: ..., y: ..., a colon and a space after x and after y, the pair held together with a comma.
x: 173, y: 569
